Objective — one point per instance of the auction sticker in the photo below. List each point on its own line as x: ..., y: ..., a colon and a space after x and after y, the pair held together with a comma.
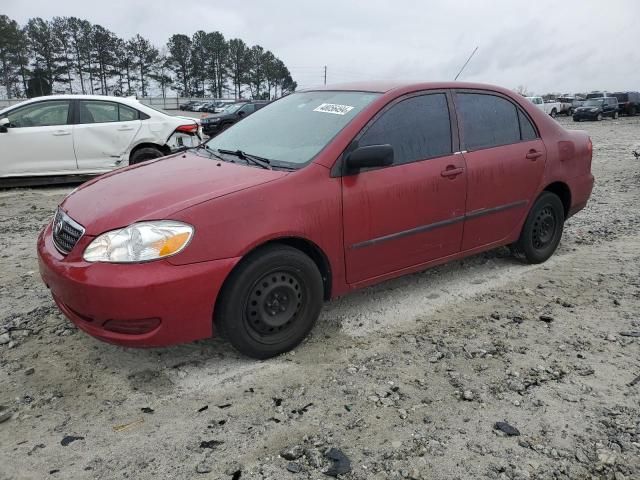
x: 333, y: 108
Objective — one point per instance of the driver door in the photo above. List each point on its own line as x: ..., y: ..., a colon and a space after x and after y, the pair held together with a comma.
x: 38, y: 141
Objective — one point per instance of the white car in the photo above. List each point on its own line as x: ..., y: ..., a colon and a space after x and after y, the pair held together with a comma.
x: 86, y: 135
x: 550, y: 108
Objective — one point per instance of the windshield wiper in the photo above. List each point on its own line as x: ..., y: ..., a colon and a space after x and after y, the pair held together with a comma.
x: 256, y: 160
x: 210, y: 151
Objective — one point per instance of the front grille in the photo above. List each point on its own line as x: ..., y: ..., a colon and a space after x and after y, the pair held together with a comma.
x: 66, y: 232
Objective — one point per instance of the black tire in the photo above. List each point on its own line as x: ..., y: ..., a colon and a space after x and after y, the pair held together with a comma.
x: 632, y: 111
x: 542, y: 230
x: 576, y: 119
x: 615, y: 115
x: 599, y: 117
x: 144, y: 154
x: 270, y: 303
x: 553, y: 113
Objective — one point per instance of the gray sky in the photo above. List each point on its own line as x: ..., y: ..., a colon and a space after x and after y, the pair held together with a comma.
x: 546, y: 45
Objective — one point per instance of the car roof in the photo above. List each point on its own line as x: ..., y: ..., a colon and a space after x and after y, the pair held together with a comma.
x: 389, y: 86
x: 126, y: 100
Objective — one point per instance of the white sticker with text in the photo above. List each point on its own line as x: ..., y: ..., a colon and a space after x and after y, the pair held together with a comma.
x: 333, y: 108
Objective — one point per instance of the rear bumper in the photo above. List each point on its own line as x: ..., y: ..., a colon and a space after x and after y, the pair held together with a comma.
x: 92, y: 294
x: 581, y: 188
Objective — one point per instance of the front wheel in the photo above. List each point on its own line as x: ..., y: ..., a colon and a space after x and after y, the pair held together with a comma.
x: 553, y: 113
x: 542, y: 230
x: 599, y: 117
x: 615, y: 115
x: 270, y: 302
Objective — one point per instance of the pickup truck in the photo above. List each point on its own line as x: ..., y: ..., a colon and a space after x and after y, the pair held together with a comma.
x: 551, y: 108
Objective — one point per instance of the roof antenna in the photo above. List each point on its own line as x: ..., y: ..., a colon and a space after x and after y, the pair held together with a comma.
x: 465, y: 63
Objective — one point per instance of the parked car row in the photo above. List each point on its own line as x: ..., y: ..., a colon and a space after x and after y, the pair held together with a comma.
x: 215, y: 106
x: 594, y: 106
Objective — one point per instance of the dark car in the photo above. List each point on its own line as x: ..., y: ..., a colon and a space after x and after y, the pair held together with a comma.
x: 597, y: 109
x: 187, y: 105
x: 214, y: 124
x: 318, y: 194
x: 628, y: 102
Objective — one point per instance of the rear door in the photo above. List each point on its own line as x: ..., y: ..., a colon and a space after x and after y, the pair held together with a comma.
x: 103, y: 133
x: 411, y: 212
x: 38, y: 141
x: 505, y: 160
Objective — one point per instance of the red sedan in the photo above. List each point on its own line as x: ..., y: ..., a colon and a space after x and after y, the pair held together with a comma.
x: 319, y: 193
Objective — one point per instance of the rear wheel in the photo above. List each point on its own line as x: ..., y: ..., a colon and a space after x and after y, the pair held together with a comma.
x: 542, y: 230
x: 144, y: 154
x: 270, y: 302
x: 615, y: 115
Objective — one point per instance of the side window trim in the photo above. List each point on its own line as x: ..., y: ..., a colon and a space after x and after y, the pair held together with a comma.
x: 338, y: 167
x: 504, y: 97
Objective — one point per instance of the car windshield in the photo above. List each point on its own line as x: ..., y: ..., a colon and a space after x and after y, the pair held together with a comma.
x: 295, y: 128
x: 594, y: 102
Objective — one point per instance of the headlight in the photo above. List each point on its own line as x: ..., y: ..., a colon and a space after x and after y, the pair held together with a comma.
x: 140, y: 242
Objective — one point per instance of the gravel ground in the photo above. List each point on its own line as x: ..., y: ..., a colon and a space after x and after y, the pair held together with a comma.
x: 483, y: 368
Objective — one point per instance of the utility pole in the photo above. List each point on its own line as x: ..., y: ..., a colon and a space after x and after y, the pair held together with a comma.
x: 325, y: 74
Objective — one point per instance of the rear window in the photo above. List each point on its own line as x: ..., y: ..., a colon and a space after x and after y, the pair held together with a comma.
x: 487, y: 120
x: 622, y: 97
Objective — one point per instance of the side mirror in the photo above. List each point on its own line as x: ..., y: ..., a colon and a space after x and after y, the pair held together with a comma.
x: 4, y: 124
x: 369, y: 157
x: 241, y: 113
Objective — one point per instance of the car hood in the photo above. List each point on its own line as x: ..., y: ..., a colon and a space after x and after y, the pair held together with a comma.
x: 588, y: 108
x: 158, y: 189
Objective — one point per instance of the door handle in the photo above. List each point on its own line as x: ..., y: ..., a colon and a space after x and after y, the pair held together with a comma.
x: 533, y: 155
x: 451, y: 171
x: 125, y: 129
x: 61, y: 133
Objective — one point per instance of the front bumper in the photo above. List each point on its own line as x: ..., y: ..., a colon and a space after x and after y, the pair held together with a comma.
x: 586, y: 115
x: 181, y: 297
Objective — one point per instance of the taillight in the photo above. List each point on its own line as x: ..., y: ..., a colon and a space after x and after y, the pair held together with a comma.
x: 132, y: 327
x: 190, y: 128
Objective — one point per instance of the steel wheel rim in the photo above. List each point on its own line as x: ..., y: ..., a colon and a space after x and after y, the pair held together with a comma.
x: 273, y: 306
x: 544, y: 228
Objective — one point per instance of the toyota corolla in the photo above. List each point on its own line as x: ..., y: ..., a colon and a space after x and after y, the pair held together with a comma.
x: 317, y: 194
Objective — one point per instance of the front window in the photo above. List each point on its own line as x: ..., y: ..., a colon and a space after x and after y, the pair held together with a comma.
x: 594, y: 102
x: 42, y: 114
x: 295, y: 128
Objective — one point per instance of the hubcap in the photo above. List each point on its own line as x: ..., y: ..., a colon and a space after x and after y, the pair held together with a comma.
x: 274, y: 303
x: 544, y: 228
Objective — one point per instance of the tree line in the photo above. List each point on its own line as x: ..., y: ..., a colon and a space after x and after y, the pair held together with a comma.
x: 72, y: 55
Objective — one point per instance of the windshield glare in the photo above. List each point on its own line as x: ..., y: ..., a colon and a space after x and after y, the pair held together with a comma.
x: 296, y: 128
